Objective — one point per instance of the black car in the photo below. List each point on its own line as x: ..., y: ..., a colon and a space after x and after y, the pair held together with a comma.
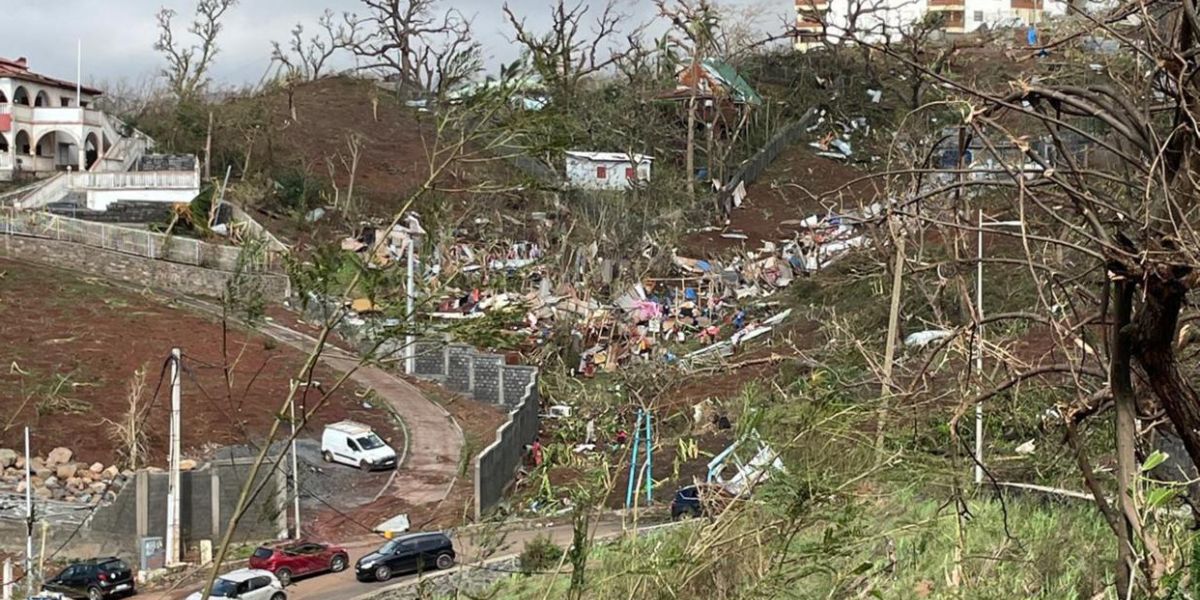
x: 413, y: 552
x: 686, y: 503
x: 94, y: 579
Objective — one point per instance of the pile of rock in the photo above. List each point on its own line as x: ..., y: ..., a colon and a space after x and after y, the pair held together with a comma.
x: 58, y: 477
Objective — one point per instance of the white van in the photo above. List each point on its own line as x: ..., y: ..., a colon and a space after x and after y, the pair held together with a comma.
x: 356, y: 445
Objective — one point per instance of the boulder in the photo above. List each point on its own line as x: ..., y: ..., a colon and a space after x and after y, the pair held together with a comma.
x: 97, y: 468
x: 67, y: 471
x: 43, y: 493
x: 37, y: 463
x: 97, y: 488
x: 59, y: 456
x: 8, y: 458
x: 51, y: 482
x: 75, y: 483
x: 44, y: 472
x: 110, y: 473
x: 187, y: 464
x: 20, y: 464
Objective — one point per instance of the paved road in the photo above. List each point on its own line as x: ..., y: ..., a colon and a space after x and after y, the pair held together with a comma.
x: 344, y: 586
x: 434, y: 440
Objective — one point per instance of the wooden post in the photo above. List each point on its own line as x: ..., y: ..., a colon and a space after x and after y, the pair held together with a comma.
x: 889, y: 354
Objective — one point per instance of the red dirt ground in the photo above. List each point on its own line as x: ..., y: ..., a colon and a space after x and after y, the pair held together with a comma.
x: 797, y: 185
x: 393, y: 160
x: 57, y: 326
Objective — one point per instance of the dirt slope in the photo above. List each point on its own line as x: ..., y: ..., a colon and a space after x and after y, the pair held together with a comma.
x: 67, y: 337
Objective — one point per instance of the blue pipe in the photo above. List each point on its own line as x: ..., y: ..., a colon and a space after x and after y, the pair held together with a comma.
x: 649, y: 462
x: 637, y: 429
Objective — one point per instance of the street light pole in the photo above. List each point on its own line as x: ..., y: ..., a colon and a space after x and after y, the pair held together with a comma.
x: 410, y: 353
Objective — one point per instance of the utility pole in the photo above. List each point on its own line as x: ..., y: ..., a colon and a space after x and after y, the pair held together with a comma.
x: 295, y: 463
x: 173, y: 531
x: 28, y: 516
x: 979, y: 333
x: 979, y: 348
x: 410, y: 353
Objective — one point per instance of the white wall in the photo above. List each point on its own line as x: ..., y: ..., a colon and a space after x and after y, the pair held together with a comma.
x: 100, y: 199
x: 581, y: 173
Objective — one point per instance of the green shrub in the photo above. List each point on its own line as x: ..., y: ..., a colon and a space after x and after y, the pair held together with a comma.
x: 540, y: 554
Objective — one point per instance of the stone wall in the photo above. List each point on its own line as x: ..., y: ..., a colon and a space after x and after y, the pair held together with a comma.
x: 137, y: 270
x: 487, y: 378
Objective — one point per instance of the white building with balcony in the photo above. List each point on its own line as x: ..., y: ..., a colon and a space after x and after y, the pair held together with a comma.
x: 48, y: 124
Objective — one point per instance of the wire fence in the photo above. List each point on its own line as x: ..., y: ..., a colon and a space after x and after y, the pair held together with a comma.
x: 146, y: 244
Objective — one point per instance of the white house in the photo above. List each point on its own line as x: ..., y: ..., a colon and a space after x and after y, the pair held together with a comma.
x: 606, y: 170
x: 878, y: 20
x: 48, y: 124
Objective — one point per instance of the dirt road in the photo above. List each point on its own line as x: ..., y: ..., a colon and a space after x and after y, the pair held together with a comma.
x: 434, y: 440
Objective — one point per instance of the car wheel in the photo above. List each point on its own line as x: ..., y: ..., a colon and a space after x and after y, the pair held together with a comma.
x: 445, y: 561
x: 279, y: 596
x: 365, y: 466
x: 338, y: 563
x: 383, y: 573
x: 94, y: 593
x: 327, y: 456
x: 284, y: 576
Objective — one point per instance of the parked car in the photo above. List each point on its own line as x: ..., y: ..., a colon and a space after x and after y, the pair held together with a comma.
x: 245, y: 584
x: 405, y: 554
x: 297, y: 559
x: 696, y: 501
x: 356, y: 445
x: 94, y: 579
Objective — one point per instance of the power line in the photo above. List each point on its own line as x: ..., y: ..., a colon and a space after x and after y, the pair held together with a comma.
x: 109, y: 484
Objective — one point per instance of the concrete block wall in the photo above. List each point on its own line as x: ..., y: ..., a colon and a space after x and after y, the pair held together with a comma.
x: 209, y: 498
x: 487, y: 378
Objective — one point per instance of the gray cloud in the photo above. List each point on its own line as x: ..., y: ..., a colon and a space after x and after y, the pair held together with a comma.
x: 118, y: 35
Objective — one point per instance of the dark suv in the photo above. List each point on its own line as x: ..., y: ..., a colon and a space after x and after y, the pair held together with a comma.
x: 699, y: 500
x: 413, y: 552
x: 94, y: 579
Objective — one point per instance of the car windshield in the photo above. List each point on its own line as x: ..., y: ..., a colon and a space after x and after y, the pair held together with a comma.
x: 224, y: 588
x: 370, y: 442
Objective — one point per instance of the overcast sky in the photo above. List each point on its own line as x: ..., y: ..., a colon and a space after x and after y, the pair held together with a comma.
x: 118, y: 35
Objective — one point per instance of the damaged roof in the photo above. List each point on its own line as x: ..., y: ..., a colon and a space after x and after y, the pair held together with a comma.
x: 609, y: 156
x: 19, y: 69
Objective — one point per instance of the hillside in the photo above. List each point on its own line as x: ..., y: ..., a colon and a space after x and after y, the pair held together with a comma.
x: 75, y: 342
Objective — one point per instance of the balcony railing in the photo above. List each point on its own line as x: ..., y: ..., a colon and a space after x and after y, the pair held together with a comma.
x: 173, y: 180
x: 45, y: 115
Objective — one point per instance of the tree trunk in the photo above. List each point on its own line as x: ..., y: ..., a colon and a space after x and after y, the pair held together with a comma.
x: 1153, y: 347
x: 1121, y: 385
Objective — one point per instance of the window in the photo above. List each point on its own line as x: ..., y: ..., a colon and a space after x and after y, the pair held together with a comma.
x: 601, y: 172
x: 978, y: 16
x: 352, y: 445
x: 370, y: 442
x: 630, y: 173
x: 64, y: 101
x: 224, y: 588
x: 257, y: 583
x: 263, y: 553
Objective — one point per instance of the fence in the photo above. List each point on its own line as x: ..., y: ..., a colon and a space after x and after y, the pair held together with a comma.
x: 753, y: 167
x: 135, y: 179
x: 146, y: 244
x: 487, y: 378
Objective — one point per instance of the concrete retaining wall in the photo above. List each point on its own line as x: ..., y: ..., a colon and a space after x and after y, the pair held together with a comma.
x: 208, y: 500
x: 487, y: 378
x: 187, y: 279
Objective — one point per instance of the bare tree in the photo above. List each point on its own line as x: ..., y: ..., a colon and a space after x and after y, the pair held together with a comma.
x: 414, y: 46
x: 308, y: 57
x: 188, y: 65
x: 567, y: 54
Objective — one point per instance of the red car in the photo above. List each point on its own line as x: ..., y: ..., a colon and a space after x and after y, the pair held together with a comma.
x: 297, y: 559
